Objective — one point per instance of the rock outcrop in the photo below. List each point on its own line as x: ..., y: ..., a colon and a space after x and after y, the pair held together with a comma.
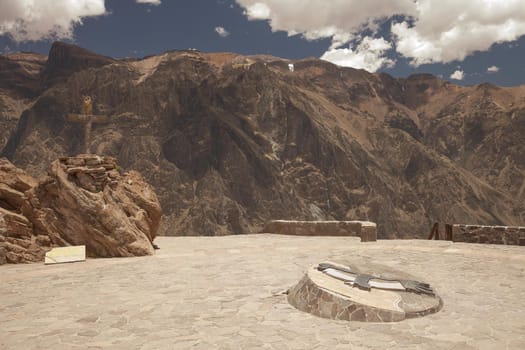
x: 18, y: 241
x: 83, y: 200
x: 20, y: 74
x: 65, y: 59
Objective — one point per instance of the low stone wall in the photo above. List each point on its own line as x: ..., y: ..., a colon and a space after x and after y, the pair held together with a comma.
x: 366, y: 230
x: 511, y: 235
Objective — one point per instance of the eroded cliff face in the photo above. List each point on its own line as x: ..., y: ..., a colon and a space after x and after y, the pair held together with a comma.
x: 20, y: 85
x: 230, y: 142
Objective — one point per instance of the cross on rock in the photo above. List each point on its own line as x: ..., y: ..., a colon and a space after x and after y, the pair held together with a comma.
x: 87, y: 118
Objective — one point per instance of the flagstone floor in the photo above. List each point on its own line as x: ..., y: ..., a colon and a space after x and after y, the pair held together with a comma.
x: 225, y: 293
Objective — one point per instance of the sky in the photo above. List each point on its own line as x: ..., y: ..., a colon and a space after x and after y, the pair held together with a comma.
x: 464, y: 41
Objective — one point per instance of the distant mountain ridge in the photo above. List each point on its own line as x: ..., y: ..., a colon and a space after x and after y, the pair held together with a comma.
x: 230, y: 141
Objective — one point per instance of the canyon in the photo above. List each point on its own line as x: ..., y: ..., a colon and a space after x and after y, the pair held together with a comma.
x: 230, y: 142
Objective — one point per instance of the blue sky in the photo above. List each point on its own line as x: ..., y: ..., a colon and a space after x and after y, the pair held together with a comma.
x: 467, y: 42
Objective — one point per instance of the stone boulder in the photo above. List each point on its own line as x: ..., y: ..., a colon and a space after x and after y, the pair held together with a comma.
x: 84, y: 200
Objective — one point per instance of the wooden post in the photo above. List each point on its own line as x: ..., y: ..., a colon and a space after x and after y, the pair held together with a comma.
x: 448, y: 232
x: 87, y: 135
x: 434, y: 232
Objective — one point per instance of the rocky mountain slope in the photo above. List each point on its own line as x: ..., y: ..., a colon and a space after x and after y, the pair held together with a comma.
x: 230, y: 141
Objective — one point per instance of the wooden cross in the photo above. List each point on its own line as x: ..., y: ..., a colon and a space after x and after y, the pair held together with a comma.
x: 87, y: 118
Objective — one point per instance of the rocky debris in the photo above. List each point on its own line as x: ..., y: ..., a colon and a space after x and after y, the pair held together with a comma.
x: 83, y: 200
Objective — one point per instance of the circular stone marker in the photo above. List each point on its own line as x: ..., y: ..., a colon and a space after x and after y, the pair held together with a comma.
x: 325, y: 296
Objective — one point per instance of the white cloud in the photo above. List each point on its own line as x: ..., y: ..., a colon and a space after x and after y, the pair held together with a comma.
x: 339, y: 20
x: 151, y: 2
x: 222, y: 32
x: 449, y: 30
x: 369, y: 55
x: 32, y: 20
x: 425, y: 31
x: 258, y: 11
x: 493, y: 69
x: 458, y: 75
x: 323, y: 19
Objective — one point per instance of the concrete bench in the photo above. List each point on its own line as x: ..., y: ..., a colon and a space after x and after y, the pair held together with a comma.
x: 366, y: 230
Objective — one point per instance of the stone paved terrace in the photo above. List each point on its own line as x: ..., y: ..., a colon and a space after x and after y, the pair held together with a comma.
x: 223, y: 293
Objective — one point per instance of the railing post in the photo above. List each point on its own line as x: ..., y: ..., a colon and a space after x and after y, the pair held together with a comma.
x: 434, y: 233
x: 448, y: 232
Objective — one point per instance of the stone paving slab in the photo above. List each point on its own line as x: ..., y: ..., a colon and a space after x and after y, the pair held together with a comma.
x: 224, y: 293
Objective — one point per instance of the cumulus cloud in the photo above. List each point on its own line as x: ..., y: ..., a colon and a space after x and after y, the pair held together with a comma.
x: 458, y: 75
x: 340, y: 20
x: 493, y: 69
x: 425, y: 31
x: 369, y: 55
x: 151, y: 2
x: 449, y: 30
x: 258, y: 10
x: 222, y: 32
x: 32, y: 20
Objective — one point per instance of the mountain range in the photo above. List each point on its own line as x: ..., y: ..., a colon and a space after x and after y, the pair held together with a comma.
x: 230, y: 141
